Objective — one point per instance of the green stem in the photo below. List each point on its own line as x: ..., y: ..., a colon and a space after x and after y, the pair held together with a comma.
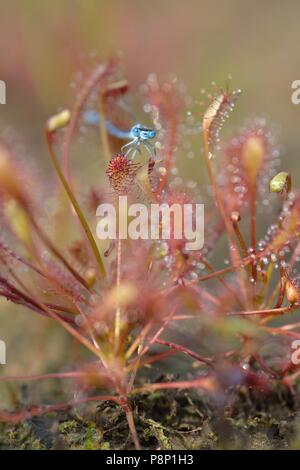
x: 76, y: 207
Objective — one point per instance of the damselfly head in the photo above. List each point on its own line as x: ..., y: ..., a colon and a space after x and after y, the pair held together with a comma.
x: 143, y: 133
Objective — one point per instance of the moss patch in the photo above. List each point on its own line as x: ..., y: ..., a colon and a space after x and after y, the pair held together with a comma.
x: 167, y: 420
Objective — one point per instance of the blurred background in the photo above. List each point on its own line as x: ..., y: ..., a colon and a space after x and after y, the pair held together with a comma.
x: 44, y: 45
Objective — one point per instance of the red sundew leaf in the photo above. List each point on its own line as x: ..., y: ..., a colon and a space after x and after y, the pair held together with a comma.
x: 213, y: 228
x: 153, y: 175
x: 258, y: 382
x: 16, y: 296
x: 207, y: 383
x: 287, y: 228
x: 40, y: 377
x: 177, y: 198
x: 247, y: 165
x: 121, y: 173
x: 166, y: 102
x: 217, y: 112
x: 184, y: 350
x: 116, y: 89
x: 96, y: 80
x: 40, y: 410
x: 233, y: 376
x: 114, y: 109
x: 60, y: 283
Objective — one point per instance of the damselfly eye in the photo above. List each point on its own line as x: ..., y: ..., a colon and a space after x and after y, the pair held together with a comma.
x: 152, y: 134
x: 135, y: 130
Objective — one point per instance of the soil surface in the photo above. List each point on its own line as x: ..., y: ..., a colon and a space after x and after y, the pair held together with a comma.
x: 167, y: 420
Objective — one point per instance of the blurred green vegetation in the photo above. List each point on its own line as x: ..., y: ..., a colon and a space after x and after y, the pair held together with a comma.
x: 44, y: 44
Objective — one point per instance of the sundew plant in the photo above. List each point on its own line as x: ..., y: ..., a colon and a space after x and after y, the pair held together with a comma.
x: 134, y: 304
